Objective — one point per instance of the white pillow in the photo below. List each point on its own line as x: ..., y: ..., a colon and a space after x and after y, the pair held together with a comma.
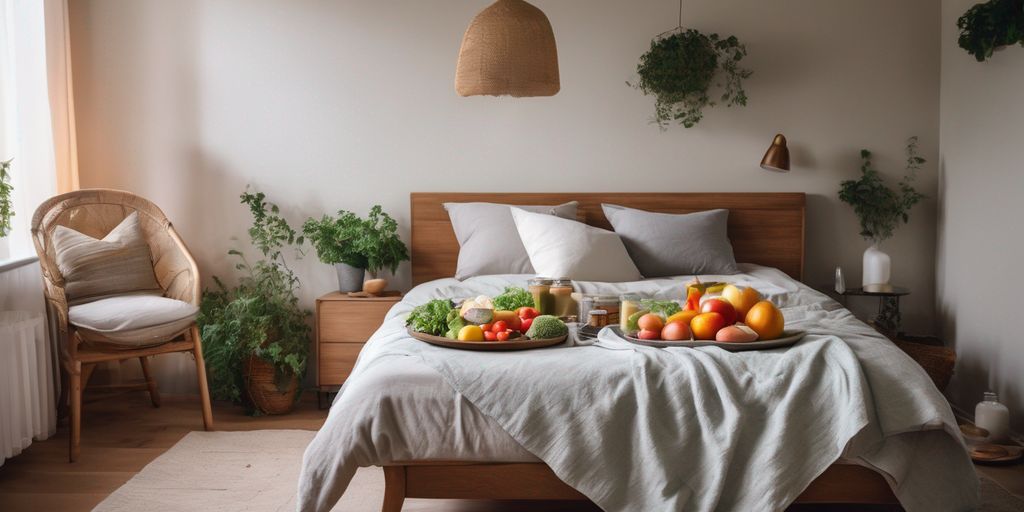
x: 565, y: 248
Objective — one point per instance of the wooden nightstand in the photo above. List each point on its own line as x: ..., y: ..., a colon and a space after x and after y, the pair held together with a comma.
x: 343, y: 324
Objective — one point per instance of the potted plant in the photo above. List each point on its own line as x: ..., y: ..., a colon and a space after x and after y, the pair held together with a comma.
x: 355, y: 246
x: 991, y: 26
x: 6, y: 208
x: 881, y: 209
x: 255, y: 336
x: 680, y: 68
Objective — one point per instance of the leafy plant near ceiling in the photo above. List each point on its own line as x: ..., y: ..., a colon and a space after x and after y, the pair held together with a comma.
x: 680, y: 69
x: 991, y: 25
x: 878, y: 207
x: 261, y: 316
x: 6, y: 208
x: 371, y: 243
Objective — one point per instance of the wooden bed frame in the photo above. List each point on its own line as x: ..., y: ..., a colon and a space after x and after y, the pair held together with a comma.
x: 765, y: 228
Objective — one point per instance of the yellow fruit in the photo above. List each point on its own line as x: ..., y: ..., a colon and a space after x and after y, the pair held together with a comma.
x: 741, y: 298
x: 766, y: 320
x: 682, y: 316
x: 471, y: 333
x: 507, y: 316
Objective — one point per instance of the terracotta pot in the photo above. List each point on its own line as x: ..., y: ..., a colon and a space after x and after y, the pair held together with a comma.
x: 262, y: 388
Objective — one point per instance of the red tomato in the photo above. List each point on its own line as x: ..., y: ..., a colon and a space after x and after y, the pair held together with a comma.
x: 527, y: 322
x: 486, y: 327
x: 499, y: 326
x: 490, y: 336
x: 526, y: 312
x: 503, y: 336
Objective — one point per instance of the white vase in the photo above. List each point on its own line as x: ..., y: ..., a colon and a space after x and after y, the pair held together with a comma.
x: 877, y: 266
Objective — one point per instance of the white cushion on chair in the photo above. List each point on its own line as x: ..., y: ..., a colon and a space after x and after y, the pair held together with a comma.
x: 132, y: 320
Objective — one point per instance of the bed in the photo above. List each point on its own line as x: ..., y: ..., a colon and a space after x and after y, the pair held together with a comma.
x: 437, y: 437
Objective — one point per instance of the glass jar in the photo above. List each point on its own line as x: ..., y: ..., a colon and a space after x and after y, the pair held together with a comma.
x: 628, y: 306
x: 608, y: 303
x: 564, y: 304
x: 543, y: 301
x: 597, y: 318
x: 994, y: 417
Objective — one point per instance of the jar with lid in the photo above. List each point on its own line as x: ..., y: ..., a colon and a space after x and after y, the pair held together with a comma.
x: 628, y: 306
x: 564, y: 304
x: 994, y: 417
x: 543, y: 301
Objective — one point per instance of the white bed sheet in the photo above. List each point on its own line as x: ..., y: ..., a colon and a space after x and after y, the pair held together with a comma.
x: 394, y: 407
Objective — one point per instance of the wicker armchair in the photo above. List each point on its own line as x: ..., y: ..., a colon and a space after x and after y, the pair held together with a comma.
x: 95, y: 212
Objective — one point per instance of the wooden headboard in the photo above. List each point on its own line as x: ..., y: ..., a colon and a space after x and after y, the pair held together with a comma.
x: 765, y: 228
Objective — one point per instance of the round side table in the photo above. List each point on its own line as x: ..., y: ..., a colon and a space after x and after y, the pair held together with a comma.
x: 27, y: 394
x: 888, y: 318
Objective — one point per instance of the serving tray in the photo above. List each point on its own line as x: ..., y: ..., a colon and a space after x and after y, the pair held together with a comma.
x: 516, y: 344
x: 788, y: 338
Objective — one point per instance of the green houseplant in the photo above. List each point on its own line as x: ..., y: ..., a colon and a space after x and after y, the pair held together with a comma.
x: 6, y: 208
x: 880, y: 209
x: 255, y: 335
x: 991, y: 25
x: 680, y: 68
x: 354, y: 245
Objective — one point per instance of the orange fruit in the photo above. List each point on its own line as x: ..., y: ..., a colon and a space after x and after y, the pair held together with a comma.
x: 705, y: 325
x: 766, y: 320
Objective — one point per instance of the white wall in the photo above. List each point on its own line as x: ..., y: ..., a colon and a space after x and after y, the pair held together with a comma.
x: 327, y: 105
x: 980, y: 250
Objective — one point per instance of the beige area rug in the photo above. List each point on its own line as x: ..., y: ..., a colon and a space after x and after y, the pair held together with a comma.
x: 257, y: 471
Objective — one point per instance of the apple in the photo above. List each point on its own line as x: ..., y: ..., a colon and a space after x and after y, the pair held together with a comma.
x: 647, y: 334
x: 650, y: 322
x: 722, y: 307
x: 675, y: 331
x: 736, y: 334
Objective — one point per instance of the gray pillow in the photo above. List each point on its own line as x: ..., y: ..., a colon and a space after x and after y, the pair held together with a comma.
x: 666, y: 244
x: 120, y: 263
x: 488, y: 240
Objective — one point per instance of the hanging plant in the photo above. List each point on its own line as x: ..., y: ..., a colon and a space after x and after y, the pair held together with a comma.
x: 679, y: 71
x: 989, y: 26
x: 6, y: 209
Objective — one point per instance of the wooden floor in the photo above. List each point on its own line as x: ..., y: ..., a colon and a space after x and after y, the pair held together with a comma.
x: 120, y: 435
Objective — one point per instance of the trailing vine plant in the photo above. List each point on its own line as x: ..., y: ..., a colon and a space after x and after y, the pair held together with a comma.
x: 878, y: 207
x: 680, y: 68
x: 6, y: 208
x: 988, y: 26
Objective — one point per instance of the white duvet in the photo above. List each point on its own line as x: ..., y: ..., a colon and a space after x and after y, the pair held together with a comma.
x: 638, y: 428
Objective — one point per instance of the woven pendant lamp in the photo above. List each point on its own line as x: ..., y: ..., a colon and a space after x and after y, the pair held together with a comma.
x: 508, y: 50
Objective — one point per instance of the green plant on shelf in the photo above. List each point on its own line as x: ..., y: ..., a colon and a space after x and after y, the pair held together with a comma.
x: 371, y: 243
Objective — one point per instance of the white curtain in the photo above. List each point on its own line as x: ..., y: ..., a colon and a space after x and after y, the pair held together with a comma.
x: 36, y: 110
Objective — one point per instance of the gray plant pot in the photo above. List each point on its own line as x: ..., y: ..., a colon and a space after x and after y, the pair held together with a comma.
x: 350, y: 279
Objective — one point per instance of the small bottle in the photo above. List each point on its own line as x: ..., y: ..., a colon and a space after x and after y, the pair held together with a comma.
x: 994, y: 417
x: 840, y: 281
x: 543, y: 301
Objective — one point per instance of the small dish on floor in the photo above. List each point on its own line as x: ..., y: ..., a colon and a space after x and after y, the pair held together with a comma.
x: 996, y: 453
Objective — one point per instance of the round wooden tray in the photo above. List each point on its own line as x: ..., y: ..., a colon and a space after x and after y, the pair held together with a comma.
x: 516, y: 344
x: 788, y: 338
x: 995, y: 454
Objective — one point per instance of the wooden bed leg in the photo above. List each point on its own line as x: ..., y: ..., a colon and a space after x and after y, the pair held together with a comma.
x: 394, y: 488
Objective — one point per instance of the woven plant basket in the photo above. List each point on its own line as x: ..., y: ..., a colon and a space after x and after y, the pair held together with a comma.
x: 508, y: 50
x: 263, y: 390
x: 937, y: 361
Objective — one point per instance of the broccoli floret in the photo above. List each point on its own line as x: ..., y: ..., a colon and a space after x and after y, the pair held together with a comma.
x: 547, y: 326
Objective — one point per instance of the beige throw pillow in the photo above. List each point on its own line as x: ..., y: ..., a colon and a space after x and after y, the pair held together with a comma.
x: 119, y: 264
